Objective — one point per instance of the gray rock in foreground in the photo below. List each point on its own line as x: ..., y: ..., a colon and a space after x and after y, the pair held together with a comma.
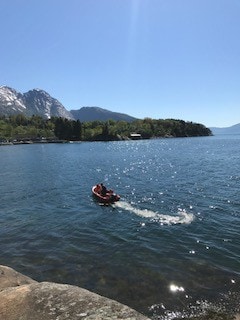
x: 22, y: 298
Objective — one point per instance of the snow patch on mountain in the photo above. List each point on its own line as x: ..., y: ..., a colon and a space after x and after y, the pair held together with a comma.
x: 11, y: 99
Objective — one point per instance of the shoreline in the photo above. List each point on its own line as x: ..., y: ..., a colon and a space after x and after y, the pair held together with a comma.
x: 21, y: 296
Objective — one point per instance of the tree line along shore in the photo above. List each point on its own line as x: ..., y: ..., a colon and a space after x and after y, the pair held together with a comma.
x: 16, y: 128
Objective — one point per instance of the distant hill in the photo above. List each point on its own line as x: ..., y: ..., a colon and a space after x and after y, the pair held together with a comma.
x: 95, y: 113
x: 235, y: 129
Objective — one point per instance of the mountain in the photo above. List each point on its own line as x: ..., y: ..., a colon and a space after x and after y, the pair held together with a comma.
x: 33, y: 102
x: 95, y: 113
x: 39, y: 102
x: 11, y: 101
x: 235, y: 129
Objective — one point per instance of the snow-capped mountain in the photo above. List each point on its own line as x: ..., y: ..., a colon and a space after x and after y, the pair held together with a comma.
x: 11, y: 101
x: 39, y: 102
x: 33, y: 102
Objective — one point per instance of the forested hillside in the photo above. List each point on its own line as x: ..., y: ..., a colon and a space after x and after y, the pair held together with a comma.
x: 19, y: 127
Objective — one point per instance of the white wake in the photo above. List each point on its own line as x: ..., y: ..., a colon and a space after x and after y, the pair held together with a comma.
x: 182, y: 217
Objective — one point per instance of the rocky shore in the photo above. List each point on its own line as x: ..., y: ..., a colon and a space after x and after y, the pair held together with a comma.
x: 24, y: 298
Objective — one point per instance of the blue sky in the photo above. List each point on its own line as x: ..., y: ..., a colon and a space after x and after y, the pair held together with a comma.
x: 148, y: 58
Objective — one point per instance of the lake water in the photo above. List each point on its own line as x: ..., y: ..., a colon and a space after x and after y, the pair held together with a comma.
x: 169, y: 247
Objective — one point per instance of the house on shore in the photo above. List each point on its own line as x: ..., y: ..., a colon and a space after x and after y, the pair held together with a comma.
x: 135, y: 136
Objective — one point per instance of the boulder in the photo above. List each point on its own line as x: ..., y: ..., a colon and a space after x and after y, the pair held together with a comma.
x: 11, y: 278
x: 22, y: 298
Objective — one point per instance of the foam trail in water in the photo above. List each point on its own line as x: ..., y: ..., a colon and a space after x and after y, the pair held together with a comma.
x: 181, y: 218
